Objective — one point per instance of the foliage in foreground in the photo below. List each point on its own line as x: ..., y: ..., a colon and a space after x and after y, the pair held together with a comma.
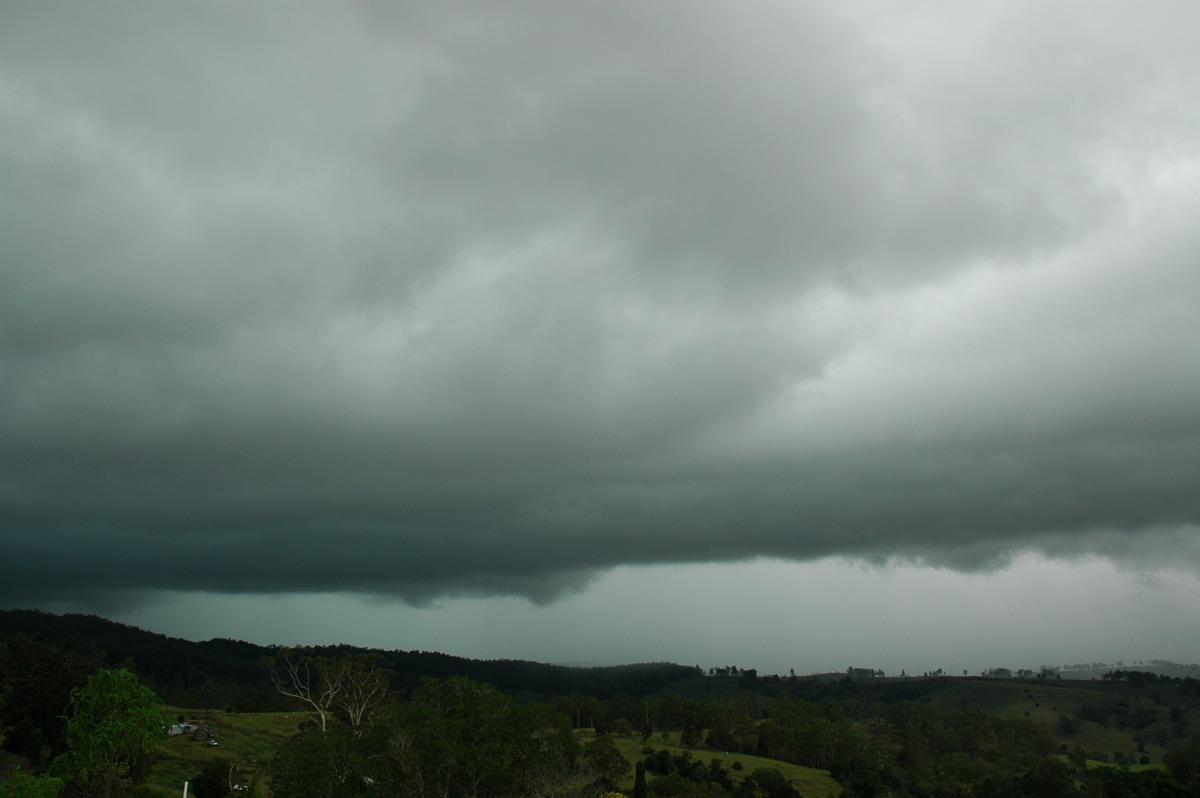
x: 24, y: 785
x: 113, y: 722
x: 456, y: 737
x: 463, y: 738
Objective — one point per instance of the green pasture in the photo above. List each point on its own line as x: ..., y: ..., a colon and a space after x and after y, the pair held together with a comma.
x: 1045, y: 702
x: 809, y: 782
x: 250, y: 741
x: 246, y: 739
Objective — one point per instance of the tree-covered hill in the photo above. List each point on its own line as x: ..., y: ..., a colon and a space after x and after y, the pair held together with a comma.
x: 228, y: 674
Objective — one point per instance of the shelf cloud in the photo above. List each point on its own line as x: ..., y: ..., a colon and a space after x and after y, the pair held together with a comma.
x: 426, y: 300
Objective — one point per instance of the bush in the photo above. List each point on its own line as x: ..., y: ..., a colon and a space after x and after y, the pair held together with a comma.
x: 22, y: 785
x: 766, y: 782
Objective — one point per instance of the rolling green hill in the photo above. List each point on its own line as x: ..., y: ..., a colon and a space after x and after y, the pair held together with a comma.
x: 873, y: 732
x: 1100, y: 717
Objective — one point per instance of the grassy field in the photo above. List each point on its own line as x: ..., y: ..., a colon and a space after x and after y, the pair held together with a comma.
x: 250, y: 740
x: 811, y: 783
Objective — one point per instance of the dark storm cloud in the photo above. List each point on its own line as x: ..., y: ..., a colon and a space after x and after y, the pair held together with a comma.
x: 424, y: 299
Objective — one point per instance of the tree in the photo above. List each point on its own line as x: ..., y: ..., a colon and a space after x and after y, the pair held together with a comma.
x: 639, y: 780
x: 36, y: 680
x: 326, y: 764
x: 766, y: 782
x: 313, y: 681
x: 455, y: 738
x: 364, y: 686
x: 112, y: 722
x: 1184, y: 763
x: 604, y: 758
x: 579, y: 707
x: 464, y: 738
x: 357, y: 684
x: 1049, y: 778
x: 216, y: 780
x: 622, y: 727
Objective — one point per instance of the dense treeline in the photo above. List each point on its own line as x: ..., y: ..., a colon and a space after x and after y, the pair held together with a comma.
x: 1186, y: 684
x: 36, y: 681
x: 520, y: 675
x: 218, y: 673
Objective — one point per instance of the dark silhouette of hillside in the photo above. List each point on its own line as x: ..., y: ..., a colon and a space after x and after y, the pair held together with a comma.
x: 223, y: 673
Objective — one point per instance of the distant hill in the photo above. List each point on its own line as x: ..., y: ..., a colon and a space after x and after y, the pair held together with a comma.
x: 224, y: 673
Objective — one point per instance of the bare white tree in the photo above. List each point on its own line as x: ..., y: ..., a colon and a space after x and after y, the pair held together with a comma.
x: 313, y: 681
x: 365, y: 684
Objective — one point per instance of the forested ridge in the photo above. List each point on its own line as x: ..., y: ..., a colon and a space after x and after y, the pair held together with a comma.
x: 82, y: 714
x: 227, y: 673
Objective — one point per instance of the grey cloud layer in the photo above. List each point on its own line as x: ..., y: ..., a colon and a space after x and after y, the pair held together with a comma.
x: 419, y: 299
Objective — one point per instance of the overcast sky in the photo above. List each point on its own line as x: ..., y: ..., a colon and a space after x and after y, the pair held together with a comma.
x: 778, y: 334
